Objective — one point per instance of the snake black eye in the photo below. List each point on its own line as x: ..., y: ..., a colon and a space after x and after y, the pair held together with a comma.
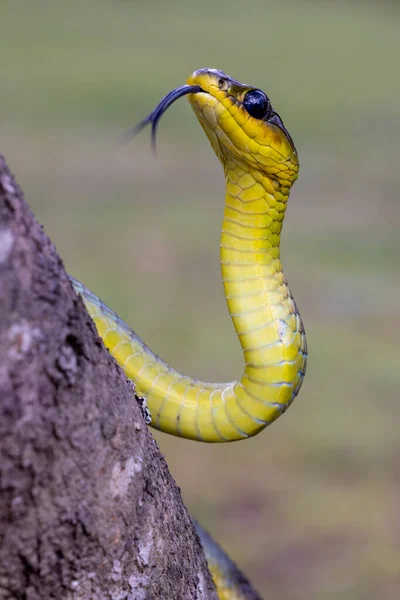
x: 257, y: 104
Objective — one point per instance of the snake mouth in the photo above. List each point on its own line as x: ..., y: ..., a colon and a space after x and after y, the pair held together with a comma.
x: 156, y: 114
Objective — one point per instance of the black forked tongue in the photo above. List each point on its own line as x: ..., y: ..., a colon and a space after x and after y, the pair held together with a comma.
x: 160, y: 109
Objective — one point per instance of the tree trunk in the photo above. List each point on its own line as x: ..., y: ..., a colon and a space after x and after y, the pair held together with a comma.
x: 88, y: 508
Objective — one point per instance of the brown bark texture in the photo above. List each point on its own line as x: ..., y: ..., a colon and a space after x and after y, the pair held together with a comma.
x: 88, y: 508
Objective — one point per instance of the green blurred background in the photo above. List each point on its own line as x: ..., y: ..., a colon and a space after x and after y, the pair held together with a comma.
x: 310, y: 508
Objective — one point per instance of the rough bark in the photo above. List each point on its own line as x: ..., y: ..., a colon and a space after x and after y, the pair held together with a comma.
x: 88, y: 508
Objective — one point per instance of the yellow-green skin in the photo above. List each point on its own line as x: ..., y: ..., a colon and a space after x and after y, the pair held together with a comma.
x: 260, y: 166
x: 229, y: 581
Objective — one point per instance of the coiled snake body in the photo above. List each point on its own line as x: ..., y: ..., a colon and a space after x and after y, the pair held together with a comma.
x: 260, y: 164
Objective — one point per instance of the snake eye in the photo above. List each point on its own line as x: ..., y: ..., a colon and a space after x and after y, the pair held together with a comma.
x: 257, y: 104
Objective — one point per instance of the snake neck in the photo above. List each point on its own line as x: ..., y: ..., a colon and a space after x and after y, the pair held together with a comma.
x: 250, y: 246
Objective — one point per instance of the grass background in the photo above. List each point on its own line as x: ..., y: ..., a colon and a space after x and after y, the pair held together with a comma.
x: 310, y: 508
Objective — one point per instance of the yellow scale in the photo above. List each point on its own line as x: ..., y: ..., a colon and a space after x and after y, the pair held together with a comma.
x: 260, y: 164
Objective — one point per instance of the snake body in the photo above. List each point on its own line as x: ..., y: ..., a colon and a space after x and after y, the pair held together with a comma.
x: 260, y: 163
x: 229, y: 581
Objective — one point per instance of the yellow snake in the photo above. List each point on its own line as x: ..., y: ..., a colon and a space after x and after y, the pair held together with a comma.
x: 260, y: 163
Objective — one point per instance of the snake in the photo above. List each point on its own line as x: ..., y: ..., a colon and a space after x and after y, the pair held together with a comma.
x: 260, y: 164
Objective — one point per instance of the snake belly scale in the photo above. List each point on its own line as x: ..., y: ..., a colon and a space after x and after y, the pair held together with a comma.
x: 260, y: 164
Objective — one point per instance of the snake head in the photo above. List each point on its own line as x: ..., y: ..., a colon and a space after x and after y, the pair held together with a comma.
x: 239, y: 122
x: 242, y: 125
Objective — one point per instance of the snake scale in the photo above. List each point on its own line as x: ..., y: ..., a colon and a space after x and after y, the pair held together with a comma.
x: 260, y: 164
